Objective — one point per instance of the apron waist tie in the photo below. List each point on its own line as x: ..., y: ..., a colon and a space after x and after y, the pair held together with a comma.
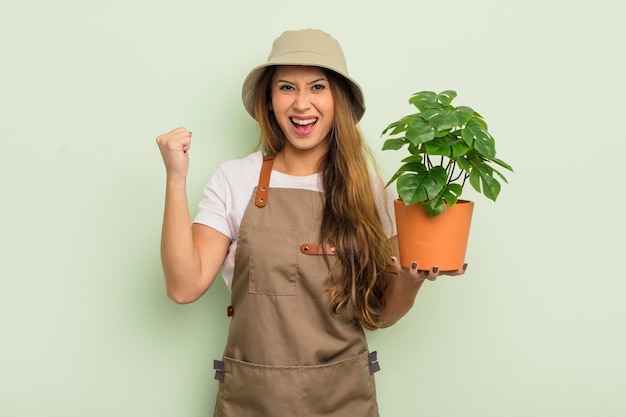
x: 372, y: 360
x: 219, y: 370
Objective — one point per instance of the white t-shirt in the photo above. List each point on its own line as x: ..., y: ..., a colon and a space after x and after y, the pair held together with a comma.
x: 227, y: 194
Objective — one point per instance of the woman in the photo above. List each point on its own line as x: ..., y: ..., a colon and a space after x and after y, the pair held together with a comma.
x: 302, y: 236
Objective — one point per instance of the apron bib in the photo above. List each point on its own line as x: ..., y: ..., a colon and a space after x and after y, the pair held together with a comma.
x: 286, y: 355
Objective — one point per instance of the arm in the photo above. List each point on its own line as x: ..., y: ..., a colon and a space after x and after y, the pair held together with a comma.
x: 403, y: 286
x: 191, y: 255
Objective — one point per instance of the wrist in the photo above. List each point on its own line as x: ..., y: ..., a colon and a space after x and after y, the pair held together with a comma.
x: 176, y: 181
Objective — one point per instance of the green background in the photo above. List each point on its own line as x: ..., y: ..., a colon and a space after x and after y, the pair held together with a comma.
x: 536, y: 326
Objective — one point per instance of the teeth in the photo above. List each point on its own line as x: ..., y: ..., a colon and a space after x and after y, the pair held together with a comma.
x: 303, y: 122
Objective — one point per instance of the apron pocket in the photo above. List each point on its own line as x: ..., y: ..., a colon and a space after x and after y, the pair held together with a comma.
x: 272, y: 270
x: 339, y: 389
x: 251, y: 390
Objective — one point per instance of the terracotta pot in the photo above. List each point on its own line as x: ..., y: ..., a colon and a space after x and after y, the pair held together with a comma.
x: 433, y: 241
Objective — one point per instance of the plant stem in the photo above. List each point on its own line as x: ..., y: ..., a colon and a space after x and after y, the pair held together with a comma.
x: 449, y: 169
x: 458, y: 176
x: 465, y: 179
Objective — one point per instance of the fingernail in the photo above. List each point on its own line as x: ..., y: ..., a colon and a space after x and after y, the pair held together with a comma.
x: 414, y: 265
x: 464, y: 267
x: 435, y: 269
x: 393, y: 259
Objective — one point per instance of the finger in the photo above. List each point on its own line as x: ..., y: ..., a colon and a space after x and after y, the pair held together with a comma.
x: 187, y: 140
x: 462, y: 269
x: 396, y: 263
x: 177, y: 143
x: 175, y: 133
x: 456, y: 272
x: 187, y: 143
x: 178, y: 130
x: 433, y: 273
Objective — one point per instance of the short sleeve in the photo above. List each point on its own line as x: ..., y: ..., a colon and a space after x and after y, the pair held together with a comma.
x: 213, y: 207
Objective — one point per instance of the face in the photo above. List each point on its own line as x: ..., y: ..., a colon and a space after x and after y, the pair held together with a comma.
x: 303, y: 105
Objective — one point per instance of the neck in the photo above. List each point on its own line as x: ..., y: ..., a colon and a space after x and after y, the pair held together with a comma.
x: 298, y: 163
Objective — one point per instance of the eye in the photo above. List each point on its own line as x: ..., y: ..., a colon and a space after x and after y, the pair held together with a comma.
x: 285, y: 87
x: 318, y: 87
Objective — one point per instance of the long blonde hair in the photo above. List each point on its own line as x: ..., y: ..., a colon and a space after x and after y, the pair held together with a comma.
x: 350, y: 220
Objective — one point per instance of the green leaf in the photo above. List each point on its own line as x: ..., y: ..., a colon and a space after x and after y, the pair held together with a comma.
x: 420, y: 134
x: 393, y: 126
x: 464, y: 163
x: 502, y: 164
x: 414, y: 119
x: 436, y: 117
x: 446, y: 198
x: 446, y: 97
x: 476, y: 136
x: 453, y: 119
x: 413, y: 158
x: 415, y: 188
x: 449, y: 146
x: 400, y: 128
x: 501, y: 176
x: 462, y: 115
x: 415, y: 149
x: 423, y: 100
x: 452, y: 193
x: 481, y: 178
x: 440, y: 134
x: 410, y: 166
x: 394, y: 144
x: 478, y: 118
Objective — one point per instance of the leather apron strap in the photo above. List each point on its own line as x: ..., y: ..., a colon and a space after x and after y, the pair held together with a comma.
x: 264, y: 182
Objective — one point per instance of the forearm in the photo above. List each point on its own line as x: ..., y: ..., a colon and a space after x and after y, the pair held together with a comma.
x: 399, y: 296
x: 179, y: 257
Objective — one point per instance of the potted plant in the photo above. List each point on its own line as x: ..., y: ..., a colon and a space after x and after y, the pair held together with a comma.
x: 448, y: 146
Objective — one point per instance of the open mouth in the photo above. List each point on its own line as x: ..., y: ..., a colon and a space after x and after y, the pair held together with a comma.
x: 303, y: 122
x: 303, y: 127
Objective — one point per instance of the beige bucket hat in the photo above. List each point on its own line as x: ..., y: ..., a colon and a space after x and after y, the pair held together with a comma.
x: 311, y: 47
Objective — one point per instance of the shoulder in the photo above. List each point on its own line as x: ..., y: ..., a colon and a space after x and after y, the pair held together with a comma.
x: 250, y: 163
x: 240, y: 172
x: 235, y: 177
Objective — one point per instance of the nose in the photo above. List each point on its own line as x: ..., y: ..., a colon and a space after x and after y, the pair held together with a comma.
x: 302, y: 101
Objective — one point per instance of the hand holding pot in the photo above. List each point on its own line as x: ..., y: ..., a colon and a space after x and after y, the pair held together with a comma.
x: 413, y: 273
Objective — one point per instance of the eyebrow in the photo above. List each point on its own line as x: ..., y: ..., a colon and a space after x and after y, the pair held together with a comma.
x: 309, y: 83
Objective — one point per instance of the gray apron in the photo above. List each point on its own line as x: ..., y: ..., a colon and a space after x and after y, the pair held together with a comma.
x: 286, y: 355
